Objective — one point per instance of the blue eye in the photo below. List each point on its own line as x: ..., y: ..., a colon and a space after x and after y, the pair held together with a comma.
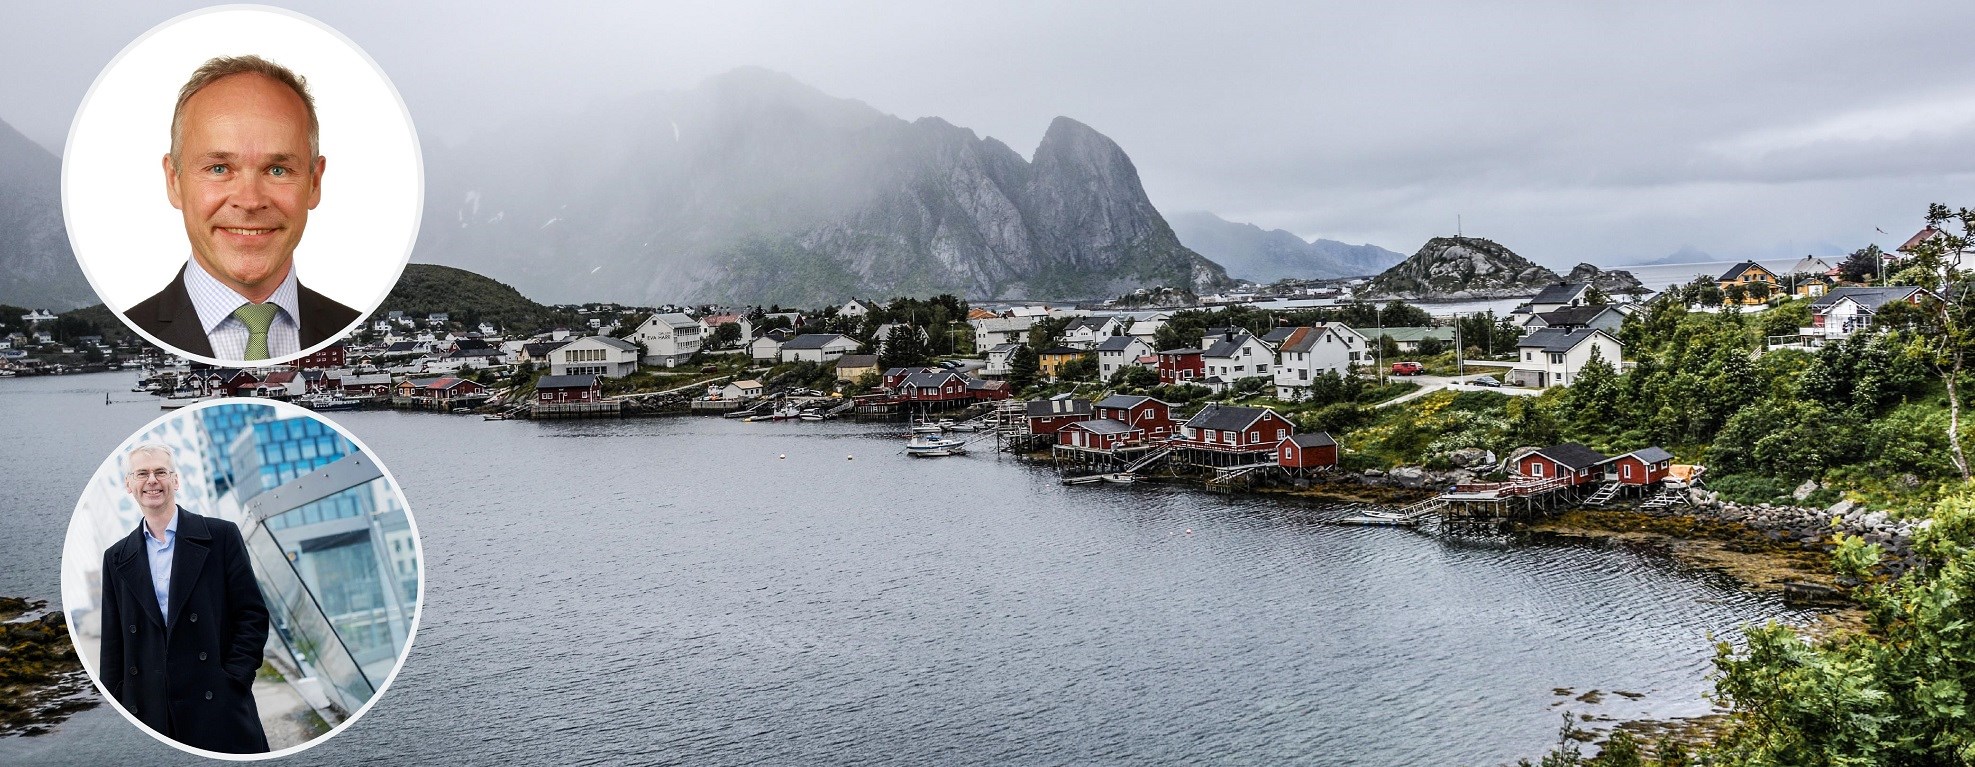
x: 216, y: 169
x: 277, y: 171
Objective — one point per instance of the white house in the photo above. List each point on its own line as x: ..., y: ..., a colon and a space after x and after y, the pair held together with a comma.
x: 1235, y: 355
x: 855, y: 308
x: 1559, y: 296
x: 1118, y: 352
x: 1088, y: 332
x: 999, y: 360
x: 670, y: 337
x: 994, y: 331
x: 741, y: 389
x: 1554, y: 356
x: 1605, y: 318
x: 1146, y: 328
x: 769, y: 345
x: 1309, y: 352
x: 595, y: 355
x: 817, y: 347
x: 1844, y: 311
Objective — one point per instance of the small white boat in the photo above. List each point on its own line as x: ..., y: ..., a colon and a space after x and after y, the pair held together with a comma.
x: 175, y: 402
x: 1087, y: 479
x: 1119, y: 478
x: 926, y: 428
x: 926, y: 445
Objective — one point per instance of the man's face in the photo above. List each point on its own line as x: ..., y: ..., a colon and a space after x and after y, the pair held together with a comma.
x: 245, y: 180
x: 152, y: 481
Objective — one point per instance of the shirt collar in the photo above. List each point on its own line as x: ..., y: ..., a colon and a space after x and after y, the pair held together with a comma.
x: 171, y: 528
x: 215, y: 301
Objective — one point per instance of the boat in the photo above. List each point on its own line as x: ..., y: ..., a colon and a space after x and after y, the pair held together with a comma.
x: 928, y: 446
x: 926, y: 427
x: 1119, y: 478
x: 1087, y: 479
x: 812, y: 415
x: 175, y: 402
x: 327, y: 402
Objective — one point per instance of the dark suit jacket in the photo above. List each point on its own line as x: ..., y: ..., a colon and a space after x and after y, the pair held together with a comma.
x: 171, y: 317
x: 191, y: 679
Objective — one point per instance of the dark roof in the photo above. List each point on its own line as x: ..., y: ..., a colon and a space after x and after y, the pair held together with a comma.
x: 1574, y: 315
x: 1061, y: 350
x: 401, y: 346
x: 1044, y: 408
x: 931, y: 378
x: 810, y: 341
x: 1094, y: 322
x: 1101, y: 426
x: 1226, y: 347
x: 1735, y: 272
x: 1317, y: 439
x: 857, y: 361
x: 467, y: 353
x: 1573, y: 455
x: 1116, y: 343
x: 542, y: 349
x: 981, y: 384
x: 1123, y: 401
x: 467, y: 344
x: 1652, y: 454
x: 1560, y: 293
x: 1226, y: 417
x: 1870, y: 298
x: 1560, y: 339
x: 1278, y: 335
x: 566, y: 382
x: 616, y: 343
x: 1181, y: 351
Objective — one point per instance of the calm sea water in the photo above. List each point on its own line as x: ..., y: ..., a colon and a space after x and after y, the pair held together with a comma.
x: 700, y: 591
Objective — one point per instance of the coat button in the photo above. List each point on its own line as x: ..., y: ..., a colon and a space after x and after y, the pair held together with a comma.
x: 209, y: 695
x: 133, y: 628
x: 133, y: 671
x: 202, y: 656
x: 194, y: 617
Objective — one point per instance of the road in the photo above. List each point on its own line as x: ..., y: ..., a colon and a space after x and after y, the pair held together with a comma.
x: 1430, y: 384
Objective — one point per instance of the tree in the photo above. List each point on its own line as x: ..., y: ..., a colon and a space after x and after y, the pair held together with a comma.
x: 1134, y: 377
x: 1735, y: 294
x: 727, y: 334
x: 1430, y: 346
x: 1023, y: 368
x: 1947, y: 333
x: 1862, y: 265
x: 1083, y: 368
x: 904, y: 346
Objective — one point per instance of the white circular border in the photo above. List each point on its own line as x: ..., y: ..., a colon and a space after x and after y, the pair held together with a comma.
x: 418, y: 173
x: 417, y: 613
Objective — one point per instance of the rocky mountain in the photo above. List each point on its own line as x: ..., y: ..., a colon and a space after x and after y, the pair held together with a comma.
x: 469, y: 298
x: 1611, y: 282
x: 1455, y: 268
x: 755, y: 188
x: 37, y: 269
x: 1252, y: 253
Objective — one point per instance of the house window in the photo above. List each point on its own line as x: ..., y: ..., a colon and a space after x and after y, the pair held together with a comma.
x: 1627, y: 471
x: 1282, y: 433
x: 1556, y: 358
x: 1536, y: 470
x: 1254, y: 436
x: 1528, y: 356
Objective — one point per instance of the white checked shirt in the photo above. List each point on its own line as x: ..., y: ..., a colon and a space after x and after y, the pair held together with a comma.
x: 215, y: 303
x: 160, y: 555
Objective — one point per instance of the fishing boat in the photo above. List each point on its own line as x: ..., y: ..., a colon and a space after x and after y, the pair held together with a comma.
x: 929, y: 446
x: 175, y: 401
x: 1119, y: 478
x: 327, y: 402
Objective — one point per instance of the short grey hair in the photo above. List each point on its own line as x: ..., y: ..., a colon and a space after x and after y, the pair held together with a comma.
x: 156, y: 448
x: 219, y: 68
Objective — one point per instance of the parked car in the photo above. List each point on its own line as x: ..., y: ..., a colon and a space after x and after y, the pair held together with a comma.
x: 1488, y: 381
x: 1407, y: 368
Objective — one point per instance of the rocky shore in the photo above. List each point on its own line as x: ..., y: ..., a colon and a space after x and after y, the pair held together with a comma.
x: 41, y: 682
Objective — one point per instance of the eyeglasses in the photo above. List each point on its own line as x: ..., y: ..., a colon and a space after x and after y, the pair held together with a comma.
x: 145, y: 475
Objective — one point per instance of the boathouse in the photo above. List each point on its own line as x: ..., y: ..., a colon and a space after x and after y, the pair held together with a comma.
x: 933, y: 385
x: 568, y: 389
x: 1049, y: 416
x: 1640, y: 467
x: 1307, y: 451
x: 1574, y: 462
x: 1151, y: 416
x: 1097, y: 434
x: 1231, y: 429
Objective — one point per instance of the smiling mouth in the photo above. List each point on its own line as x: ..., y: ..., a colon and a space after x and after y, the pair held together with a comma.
x: 245, y: 232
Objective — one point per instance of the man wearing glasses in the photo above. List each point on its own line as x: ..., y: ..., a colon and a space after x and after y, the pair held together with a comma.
x: 183, y: 620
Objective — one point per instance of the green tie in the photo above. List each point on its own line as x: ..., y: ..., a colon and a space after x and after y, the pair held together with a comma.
x: 258, y: 317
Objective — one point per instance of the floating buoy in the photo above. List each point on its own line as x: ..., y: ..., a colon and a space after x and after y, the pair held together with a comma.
x: 782, y: 457
x: 850, y: 458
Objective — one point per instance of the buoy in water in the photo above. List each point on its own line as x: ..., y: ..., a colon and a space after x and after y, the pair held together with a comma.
x: 782, y: 457
x: 850, y: 458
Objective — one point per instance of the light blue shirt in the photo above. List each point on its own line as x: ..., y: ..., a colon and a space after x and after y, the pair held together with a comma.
x: 215, y: 303
x: 160, y: 552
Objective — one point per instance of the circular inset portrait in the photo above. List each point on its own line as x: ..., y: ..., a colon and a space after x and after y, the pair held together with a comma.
x: 242, y: 185
x: 242, y: 579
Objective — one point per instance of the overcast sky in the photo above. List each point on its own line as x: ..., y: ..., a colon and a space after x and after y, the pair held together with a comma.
x: 1568, y: 131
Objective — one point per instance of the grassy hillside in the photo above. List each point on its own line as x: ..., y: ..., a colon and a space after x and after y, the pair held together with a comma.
x: 470, y: 299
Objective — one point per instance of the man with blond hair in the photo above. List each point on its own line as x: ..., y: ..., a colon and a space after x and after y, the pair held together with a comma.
x: 183, y: 619
x: 244, y: 170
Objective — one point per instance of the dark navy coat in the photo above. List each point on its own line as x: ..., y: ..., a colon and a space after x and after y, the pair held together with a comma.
x: 193, y: 679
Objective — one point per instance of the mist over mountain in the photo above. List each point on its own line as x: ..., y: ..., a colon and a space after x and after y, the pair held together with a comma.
x: 755, y: 187
x: 1252, y: 253
x: 37, y: 269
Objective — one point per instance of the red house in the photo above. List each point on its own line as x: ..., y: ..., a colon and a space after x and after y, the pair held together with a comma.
x: 895, y: 377
x: 1154, y: 417
x: 1181, y: 366
x: 933, y: 385
x: 562, y: 389
x: 1640, y: 467
x: 334, y: 356
x: 988, y: 391
x: 1049, y: 416
x: 1575, y: 462
x: 1234, y: 429
x: 1097, y: 434
x: 1307, y: 451
x: 233, y: 382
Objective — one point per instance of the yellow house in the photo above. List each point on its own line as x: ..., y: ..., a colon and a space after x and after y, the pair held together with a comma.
x: 1053, y: 359
x: 851, y: 367
x: 1757, y: 283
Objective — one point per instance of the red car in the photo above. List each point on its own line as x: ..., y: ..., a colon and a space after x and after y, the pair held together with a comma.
x: 1407, y: 368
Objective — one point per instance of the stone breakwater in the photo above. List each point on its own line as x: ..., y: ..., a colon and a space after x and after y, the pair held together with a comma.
x: 1805, y: 526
